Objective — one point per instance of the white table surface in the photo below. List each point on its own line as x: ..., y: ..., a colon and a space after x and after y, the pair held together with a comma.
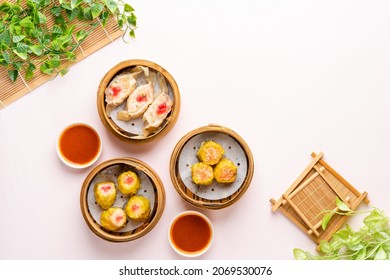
x: 290, y: 77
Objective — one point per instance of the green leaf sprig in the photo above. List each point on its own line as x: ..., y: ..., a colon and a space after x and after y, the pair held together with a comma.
x: 370, y: 242
x: 45, y: 34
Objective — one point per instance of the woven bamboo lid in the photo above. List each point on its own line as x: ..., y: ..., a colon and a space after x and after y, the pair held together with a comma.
x: 151, y: 188
x: 216, y: 195
x: 131, y: 131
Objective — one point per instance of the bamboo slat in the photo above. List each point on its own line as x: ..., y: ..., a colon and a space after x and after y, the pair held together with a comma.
x: 100, y: 37
x: 298, y: 180
x: 340, y: 178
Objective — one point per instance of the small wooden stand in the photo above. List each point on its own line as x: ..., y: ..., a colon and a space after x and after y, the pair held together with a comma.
x: 314, y: 191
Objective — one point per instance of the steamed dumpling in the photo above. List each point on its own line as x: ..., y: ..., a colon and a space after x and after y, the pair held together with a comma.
x: 210, y: 152
x: 119, y: 89
x: 122, y: 86
x: 137, y: 208
x: 113, y: 218
x: 105, y: 194
x: 202, y: 174
x: 128, y: 183
x: 137, y: 103
x: 156, y: 113
x: 225, y: 171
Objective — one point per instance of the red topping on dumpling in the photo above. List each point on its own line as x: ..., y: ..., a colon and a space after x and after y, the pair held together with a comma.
x: 142, y: 98
x: 119, y: 218
x: 135, y: 207
x: 106, y: 188
x: 129, y: 180
x: 162, y: 108
x: 115, y: 91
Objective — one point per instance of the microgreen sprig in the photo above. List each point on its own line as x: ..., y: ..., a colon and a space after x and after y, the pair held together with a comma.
x: 29, y: 38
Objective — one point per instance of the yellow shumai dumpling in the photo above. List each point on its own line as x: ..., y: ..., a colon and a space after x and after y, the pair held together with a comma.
x: 113, y: 218
x: 225, y: 171
x: 105, y: 194
x: 202, y: 174
x: 128, y: 183
x: 210, y: 152
x: 138, y: 208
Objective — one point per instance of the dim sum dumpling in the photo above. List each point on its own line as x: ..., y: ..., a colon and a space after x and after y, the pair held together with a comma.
x: 138, y: 208
x: 137, y: 103
x: 105, y: 194
x: 210, y: 152
x: 122, y: 86
x: 156, y: 113
x: 202, y: 174
x: 225, y: 171
x: 119, y: 89
x: 128, y: 183
x: 113, y: 218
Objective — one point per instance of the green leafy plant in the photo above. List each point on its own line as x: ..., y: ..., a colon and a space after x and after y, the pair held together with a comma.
x: 370, y: 242
x: 46, y: 33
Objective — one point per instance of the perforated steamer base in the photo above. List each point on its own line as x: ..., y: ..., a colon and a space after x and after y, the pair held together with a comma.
x: 216, y: 195
x: 136, y: 126
x: 111, y: 174
x: 131, y: 131
x: 151, y: 187
x: 233, y: 151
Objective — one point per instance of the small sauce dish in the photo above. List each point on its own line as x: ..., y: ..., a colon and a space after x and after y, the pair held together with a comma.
x: 190, y: 234
x: 79, y: 145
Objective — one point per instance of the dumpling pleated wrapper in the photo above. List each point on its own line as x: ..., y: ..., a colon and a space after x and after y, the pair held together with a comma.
x: 159, y: 109
x: 210, y: 152
x: 156, y: 113
x: 128, y: 183
x: 137, y: 103
x: 202, y: 174
x: 105, y: 194
x: 138, y: 208
x: 121, y: 86
x: 113, y: 219
x: 119, y: 89
x: 225, y: 171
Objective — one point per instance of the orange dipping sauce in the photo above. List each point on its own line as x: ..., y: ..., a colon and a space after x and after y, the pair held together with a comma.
x: 79, y: 144
x: 191, y: 233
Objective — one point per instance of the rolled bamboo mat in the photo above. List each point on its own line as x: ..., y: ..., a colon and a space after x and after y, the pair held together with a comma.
x: 12, y: 91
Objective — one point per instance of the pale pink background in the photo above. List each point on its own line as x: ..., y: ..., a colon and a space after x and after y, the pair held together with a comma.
x: 291, y: 77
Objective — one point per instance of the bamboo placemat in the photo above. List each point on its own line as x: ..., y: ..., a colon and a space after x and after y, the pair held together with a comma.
x: 12, y: 91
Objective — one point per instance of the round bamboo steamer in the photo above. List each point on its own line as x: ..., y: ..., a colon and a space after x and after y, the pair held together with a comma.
x: 87, y: 202
x: 208, y: 197
x: 119, y: 132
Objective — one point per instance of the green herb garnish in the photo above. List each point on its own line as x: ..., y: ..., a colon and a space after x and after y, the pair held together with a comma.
x: 45, y: 34
x: 370, y: 242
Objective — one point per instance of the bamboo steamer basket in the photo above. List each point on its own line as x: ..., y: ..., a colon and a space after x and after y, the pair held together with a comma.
x: 131, y: 131
x: 216, y: 195
x: 151, y: 187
